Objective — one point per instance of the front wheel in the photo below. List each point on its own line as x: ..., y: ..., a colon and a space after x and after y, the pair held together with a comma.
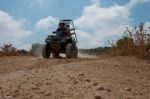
x: 69, y: 51
x: 45, y: 51
x: 75, y: 52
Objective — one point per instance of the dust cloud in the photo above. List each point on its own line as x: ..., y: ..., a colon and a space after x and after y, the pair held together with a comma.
x: 37, y: 52
x: 86, y: 55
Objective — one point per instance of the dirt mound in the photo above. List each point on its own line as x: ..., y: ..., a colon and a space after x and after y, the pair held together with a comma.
x: 83, y: 78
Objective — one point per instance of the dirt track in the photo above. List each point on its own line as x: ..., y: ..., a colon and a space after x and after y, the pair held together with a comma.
x: 95, y: 78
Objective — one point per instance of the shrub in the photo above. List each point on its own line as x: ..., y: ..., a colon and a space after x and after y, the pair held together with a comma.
x: 8, y: 49
x: 133, y: 43
x: 22, y: 52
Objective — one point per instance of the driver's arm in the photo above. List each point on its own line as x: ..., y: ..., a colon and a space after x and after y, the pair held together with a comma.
x: 67, y: 32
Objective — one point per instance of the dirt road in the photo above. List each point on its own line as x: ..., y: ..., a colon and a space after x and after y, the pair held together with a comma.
x: 84, y: 78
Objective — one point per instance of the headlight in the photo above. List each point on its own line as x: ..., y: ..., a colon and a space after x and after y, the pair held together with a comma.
x: 47, y: 40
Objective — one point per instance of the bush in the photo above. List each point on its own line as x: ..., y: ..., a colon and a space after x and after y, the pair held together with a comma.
x: 135, y: 43
x: 97, y: 51
x: 8, y: 49
x: 22, y: 52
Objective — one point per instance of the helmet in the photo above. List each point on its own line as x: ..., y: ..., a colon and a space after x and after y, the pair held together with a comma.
x: 61, y: 24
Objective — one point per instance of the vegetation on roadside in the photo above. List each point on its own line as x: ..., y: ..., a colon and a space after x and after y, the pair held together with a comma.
x: 10, y: 50
x: 135, y: 42
x: 96, y: 51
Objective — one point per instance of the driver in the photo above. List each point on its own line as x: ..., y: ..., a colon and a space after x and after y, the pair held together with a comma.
x: 64, y: 31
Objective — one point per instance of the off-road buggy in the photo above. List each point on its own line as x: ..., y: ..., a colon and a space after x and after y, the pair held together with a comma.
x: 59, y: 43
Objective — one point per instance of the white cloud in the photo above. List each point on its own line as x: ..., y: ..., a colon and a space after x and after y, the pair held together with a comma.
x: 147, y: 26
x: 12, y: 30
x: 46, y: 23
x: 98, y: 24
x: 133, y: 3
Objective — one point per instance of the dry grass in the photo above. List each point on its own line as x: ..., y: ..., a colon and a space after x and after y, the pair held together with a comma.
x: 134, y: 43
x: 10, y: 50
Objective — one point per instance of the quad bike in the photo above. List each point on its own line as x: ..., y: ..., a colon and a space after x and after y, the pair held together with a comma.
x: 58, y: 43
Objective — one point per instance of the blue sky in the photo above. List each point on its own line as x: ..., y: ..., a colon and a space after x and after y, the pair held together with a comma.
x: 32, y: 20
x: 33, y: 10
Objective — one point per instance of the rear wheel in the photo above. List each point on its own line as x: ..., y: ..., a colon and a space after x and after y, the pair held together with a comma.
x: 69, y: 51
x: 45, y: 51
